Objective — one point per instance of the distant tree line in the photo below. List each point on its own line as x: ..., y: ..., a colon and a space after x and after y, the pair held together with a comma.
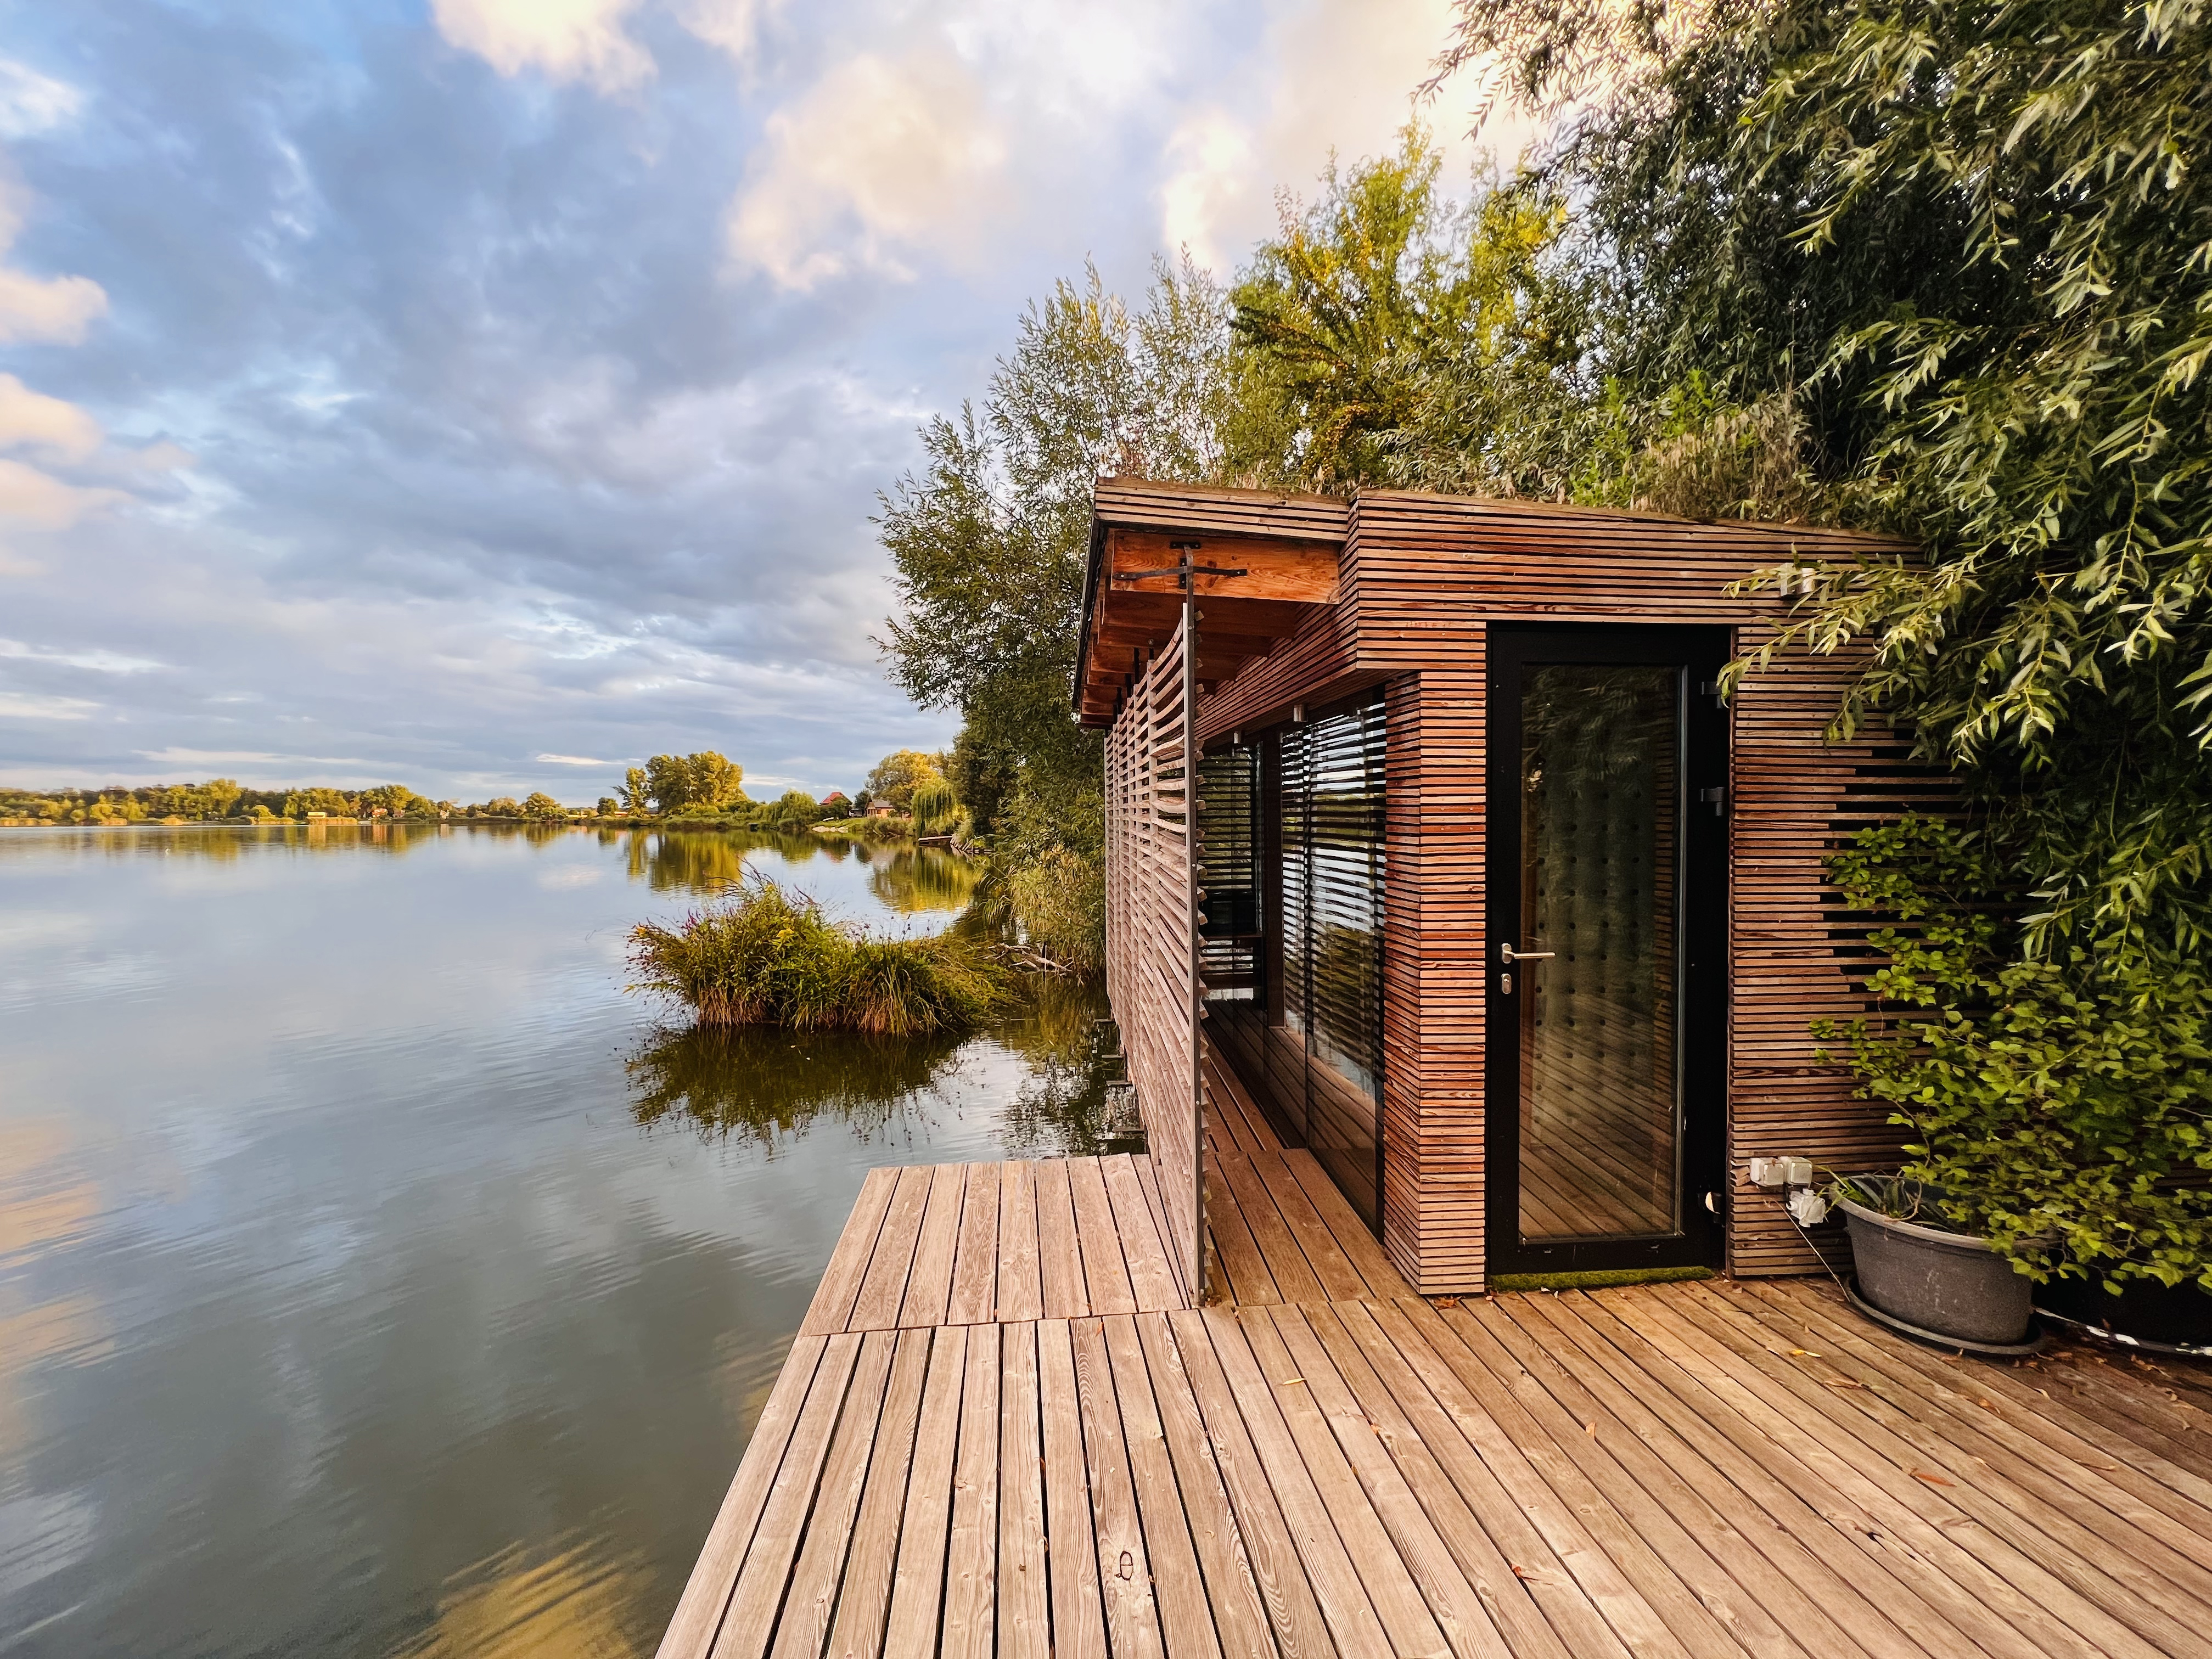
x: 702, y: 786
x: 224, y: 800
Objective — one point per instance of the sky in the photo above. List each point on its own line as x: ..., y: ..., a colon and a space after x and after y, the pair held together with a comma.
x: 485, y: 394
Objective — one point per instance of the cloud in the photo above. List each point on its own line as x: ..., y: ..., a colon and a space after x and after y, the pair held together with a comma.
x: 1332, y: 78
x: 574, y: 760
x: 43, y: 502
x: 30, y: 419
x: 59, y: 309
x: 23, y: 706
x: 98, y: 662
x: 565, y: 39
x: 32, y: 103
x: 877, y: 157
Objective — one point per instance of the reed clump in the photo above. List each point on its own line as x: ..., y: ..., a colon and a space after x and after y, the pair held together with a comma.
x: 769, y: 957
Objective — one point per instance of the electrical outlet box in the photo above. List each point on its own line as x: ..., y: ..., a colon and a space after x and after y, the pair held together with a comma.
x: 1781, y: 1171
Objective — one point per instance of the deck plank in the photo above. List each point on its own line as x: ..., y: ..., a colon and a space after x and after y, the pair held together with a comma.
x: 1125, y: 1573
x: 929, y: 1281
x: 974, y: 1297
x: 1059, y: 1260
x: 1105, y: 1268
x: 1024, y: 1600
x: 698, y: 1613
x: 864, y: 1601
x: 918, y: 1583
x: 750, y: 1620
x: 971, y: 1572
x: 1331, y: 1466
x: 1079, y: 1617
x: 1391, y: 1588
x: 1294, y: 1614
x: 1021, y: 1293
x: 810, y: 1606
x: 832, y: 1306
x: 1186, y: 1611
x: 1152, y: 1276
x: 883, y: 1290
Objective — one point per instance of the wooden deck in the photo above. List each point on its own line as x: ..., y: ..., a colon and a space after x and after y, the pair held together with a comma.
x: 1002, y: 1430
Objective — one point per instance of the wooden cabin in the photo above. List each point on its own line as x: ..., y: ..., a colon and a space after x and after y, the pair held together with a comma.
x: 1478, y: 885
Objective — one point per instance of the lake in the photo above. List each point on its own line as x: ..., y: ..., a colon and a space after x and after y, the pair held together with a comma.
x: 376, y: 1276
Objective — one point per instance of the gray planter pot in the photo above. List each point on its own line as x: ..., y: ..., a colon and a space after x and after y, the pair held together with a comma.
x: 1950, y: 1284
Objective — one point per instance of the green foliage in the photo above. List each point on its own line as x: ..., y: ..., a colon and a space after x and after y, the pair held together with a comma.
x: 936, y: 809
x: 990, y: 539
x: 899, y: 774
x: 2061, y: 1105
x: 767, y: 958
x: 702, y: 782
x: 1387, y: 336
x: 540, y: 804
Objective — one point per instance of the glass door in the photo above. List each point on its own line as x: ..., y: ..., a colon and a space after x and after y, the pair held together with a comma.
x: 1606, y: 978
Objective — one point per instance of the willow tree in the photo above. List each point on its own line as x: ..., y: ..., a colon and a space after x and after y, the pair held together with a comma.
x: 989, y: 537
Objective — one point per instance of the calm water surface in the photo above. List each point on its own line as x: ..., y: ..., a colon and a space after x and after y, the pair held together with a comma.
x: 376, y: 1277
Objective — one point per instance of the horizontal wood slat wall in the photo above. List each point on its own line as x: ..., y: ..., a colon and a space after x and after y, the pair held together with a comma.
x: 1151, y: 936
x: 1424, y: 578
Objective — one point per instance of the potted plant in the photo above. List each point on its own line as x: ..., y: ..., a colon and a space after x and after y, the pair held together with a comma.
x: 2059, y: 1105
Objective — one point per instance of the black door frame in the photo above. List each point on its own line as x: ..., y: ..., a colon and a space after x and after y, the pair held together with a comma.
x: 1698, y: 653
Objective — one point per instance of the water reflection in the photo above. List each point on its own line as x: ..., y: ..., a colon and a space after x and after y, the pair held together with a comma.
x: 913, y: 879
x: 769, y: 1087
x: 373, y: 1279
x: 766, y: 1085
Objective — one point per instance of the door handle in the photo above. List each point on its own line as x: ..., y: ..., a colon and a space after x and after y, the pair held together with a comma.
x: 1508, y: 956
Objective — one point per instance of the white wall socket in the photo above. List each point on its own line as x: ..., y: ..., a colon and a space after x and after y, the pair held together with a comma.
x: 1781, y: 1171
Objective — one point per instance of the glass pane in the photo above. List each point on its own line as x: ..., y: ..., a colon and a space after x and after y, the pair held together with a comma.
x: 1600, y: 814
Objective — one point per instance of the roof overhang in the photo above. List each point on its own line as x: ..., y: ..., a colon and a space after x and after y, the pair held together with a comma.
x: 1286, y: 550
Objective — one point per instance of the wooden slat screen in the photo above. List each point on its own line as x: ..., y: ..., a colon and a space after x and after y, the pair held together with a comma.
x: 1152, y: 935
x: 1229, y: 874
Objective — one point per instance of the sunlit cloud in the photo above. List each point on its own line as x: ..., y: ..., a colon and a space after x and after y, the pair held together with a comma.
x: 32, y: 103
x: 24, y: 706
x: 566, y: 39
x: 575, y: 760
x: 879, y: 158
x: 99, y: 662
x: 58, y: 308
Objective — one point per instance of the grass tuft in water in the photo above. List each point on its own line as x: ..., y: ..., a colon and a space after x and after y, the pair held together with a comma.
x: 769, y: 957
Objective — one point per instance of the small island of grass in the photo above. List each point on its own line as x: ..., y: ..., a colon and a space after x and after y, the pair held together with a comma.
x: 769, y: 957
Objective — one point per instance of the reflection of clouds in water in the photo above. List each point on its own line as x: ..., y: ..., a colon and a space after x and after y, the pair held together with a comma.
x: 569, y: 875
x: 42, y: 1532
x: 569, y: 1606
x: 42, y: 930
x: 125, y: 975
x: 45, y: 1202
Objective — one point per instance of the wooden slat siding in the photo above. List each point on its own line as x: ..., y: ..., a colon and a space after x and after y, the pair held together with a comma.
x: 1142, y: 503
x: 1433, y: 981
x: 698, y: 1613
x: 1422, y: 578
x: 1152, y: 937
x: 1796, y: 799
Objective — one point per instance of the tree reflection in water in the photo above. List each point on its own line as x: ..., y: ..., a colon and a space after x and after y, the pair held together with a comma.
x: 767, y: 1085
x: 909, y: 878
